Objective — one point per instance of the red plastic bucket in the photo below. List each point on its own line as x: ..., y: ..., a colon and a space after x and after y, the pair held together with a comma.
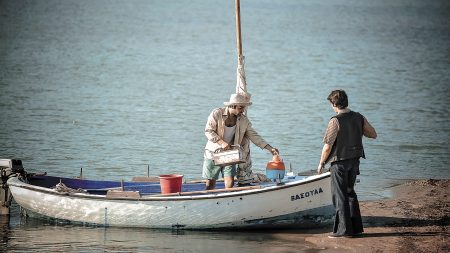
x: 170, y: 183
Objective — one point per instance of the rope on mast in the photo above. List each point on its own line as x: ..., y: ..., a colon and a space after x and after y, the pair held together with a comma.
x: 241, y: 82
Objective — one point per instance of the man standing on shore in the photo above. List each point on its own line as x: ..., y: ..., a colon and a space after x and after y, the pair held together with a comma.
x: 343, y: 148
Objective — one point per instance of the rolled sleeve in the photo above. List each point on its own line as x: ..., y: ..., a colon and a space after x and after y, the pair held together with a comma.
x: 331, y: 132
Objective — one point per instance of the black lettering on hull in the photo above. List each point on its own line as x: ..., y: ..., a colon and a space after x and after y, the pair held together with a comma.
x: 307, y: 194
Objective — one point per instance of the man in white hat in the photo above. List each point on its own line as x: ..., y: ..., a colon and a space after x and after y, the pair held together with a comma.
x: 228, y: 126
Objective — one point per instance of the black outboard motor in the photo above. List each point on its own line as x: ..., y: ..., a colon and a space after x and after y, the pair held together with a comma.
x: 8, y: 168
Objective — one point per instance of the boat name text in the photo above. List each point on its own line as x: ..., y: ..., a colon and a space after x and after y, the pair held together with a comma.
x: 306, y: 194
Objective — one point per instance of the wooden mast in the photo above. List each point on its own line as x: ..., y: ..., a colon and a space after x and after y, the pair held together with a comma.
x: 238, y: 29
x: 241, y: 84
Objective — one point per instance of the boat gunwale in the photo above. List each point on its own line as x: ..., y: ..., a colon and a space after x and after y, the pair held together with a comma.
x: 212, y: 195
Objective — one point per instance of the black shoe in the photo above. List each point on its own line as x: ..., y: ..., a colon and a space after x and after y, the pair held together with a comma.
x: 243, y: 185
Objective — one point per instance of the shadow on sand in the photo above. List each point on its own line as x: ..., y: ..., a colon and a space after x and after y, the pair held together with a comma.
x: 382, y: 221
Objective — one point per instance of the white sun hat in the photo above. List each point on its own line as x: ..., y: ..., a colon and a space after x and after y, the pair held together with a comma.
x: 241, y: 99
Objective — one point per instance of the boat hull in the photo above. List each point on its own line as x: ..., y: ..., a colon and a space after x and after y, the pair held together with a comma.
x: 304, y: 203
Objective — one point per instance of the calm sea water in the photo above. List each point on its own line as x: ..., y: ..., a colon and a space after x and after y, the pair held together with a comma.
x: 114, y: 86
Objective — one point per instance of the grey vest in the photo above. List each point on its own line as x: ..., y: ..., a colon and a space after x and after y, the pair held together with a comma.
x: 348, y: 142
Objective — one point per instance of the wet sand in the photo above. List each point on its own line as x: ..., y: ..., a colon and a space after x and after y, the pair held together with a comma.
x: 416, y: 219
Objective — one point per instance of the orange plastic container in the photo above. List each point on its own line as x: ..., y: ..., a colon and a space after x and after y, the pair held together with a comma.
x: 275, y: 169
x: 170, y: 183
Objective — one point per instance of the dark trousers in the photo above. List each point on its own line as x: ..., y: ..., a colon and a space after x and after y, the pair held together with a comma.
x: 347, y: 219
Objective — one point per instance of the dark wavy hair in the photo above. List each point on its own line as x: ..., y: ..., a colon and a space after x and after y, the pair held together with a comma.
x: 338, y: 98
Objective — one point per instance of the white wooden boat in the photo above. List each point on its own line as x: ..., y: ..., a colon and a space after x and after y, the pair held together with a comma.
x: 298, y: 201
x: 303, y: 202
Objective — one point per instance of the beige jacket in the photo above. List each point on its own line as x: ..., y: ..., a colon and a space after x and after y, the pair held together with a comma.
x: 214, y: 131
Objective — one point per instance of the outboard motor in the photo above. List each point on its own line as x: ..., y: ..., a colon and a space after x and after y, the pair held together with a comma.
x: 8, y: 168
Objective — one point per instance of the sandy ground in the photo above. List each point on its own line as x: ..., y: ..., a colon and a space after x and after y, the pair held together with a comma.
x: 416, y: 219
